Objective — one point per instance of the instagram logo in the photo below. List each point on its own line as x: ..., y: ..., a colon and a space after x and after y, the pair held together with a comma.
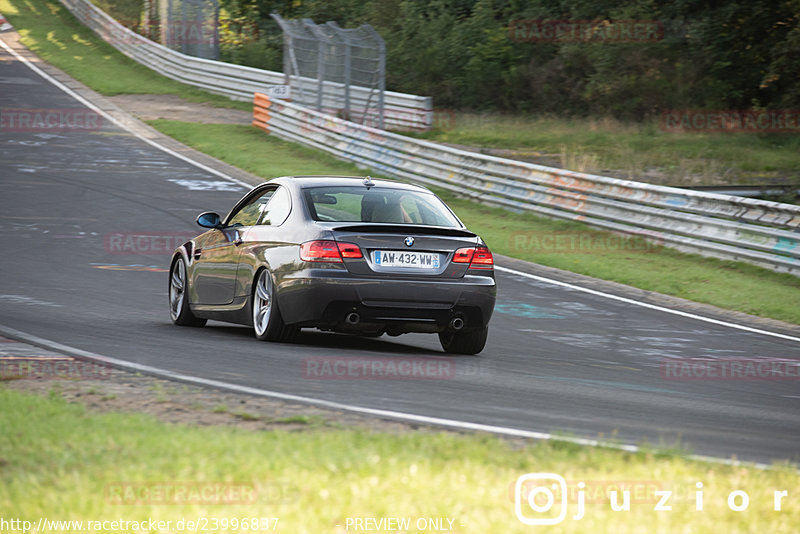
x: 540, y: 491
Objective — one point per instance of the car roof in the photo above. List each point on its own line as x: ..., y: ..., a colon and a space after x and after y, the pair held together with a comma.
x: 304, y: 182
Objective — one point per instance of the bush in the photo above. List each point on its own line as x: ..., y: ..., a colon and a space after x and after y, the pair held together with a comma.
x: 728, y: 54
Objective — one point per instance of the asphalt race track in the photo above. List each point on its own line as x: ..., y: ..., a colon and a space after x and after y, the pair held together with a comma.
x: 559, y: 360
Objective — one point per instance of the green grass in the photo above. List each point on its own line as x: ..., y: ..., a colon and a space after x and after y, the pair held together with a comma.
x: 60, y: 462
x: 603, y: 145
x: 300, y: 420
x: 247, y: 416
x: 50, y: 30
x: 251, y: 149
x: 757, y: 291
x: 126, y: 11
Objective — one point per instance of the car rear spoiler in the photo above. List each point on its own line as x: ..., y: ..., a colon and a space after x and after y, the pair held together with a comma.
x: 404, y: 229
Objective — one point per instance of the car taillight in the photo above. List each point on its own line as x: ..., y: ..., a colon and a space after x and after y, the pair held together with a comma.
x: 479, y: 257
x: 320, y: 251
x: 328, y: 250
x: 482, y: 259
x: 349, y: 250
x: 463, y: 255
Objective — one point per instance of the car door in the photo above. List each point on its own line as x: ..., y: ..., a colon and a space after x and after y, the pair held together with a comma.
x: 218, y: 252
x: 264, y: 236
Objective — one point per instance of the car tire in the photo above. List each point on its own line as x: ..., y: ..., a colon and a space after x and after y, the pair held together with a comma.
x: 469, y: 342
x: 268, y: 324
x: 179, y: 310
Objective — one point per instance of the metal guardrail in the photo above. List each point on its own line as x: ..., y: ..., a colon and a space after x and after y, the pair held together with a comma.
x: 402, y: 111
x: 757, y: 231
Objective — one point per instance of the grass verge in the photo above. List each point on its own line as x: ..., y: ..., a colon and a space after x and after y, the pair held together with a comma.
x: 61, y: 462
x: 633, y: 151
x: 562, y: 244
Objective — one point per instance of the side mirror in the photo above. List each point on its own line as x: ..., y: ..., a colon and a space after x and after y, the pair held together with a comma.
x: 209, y: 219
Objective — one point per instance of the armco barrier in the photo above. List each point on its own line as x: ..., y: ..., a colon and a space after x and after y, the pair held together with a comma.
x: 761, y: 232
x: 402, y: 111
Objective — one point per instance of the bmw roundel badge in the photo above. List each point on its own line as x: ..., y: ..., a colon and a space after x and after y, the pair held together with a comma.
x: 409, y: 241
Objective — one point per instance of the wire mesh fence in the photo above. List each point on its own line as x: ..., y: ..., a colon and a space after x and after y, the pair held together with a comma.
x: 323, y: 62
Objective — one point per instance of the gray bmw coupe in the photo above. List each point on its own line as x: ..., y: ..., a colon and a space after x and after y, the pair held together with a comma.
x: 342, y: 254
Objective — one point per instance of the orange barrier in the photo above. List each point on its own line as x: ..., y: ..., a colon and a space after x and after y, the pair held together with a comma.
x: 261, y: 105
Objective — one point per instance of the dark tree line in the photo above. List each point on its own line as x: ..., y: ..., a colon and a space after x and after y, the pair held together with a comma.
x: 471, y: 54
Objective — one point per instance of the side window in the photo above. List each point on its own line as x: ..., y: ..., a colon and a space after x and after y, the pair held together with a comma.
x: 278, y: 208
x: 250, y: 213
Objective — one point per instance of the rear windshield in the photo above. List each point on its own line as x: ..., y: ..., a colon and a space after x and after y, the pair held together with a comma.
x: 378, y: 205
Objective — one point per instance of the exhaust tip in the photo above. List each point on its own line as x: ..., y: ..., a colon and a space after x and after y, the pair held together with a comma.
x: 352, y: 318
x: 456, y: 323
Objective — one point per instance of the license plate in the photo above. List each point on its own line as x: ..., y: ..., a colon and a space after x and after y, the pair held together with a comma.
x: 399, y: 258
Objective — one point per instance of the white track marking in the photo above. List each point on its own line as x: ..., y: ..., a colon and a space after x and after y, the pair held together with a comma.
x: 205, y: 185
x: 646, y: 305
x: 105, y: 114
x: 23, y: 299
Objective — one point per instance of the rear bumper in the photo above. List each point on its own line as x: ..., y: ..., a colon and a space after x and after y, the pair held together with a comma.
x: 324, y: 297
